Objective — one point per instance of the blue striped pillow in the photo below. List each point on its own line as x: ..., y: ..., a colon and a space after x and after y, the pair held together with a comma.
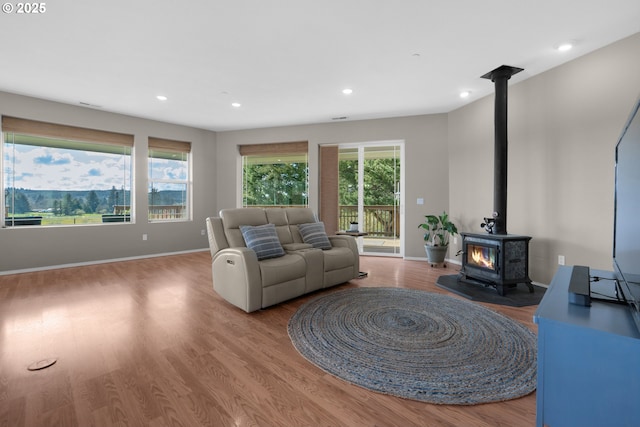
x: 263, y: 239
x: 313, y: 233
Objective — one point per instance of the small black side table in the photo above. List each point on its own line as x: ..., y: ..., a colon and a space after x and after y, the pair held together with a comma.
x: 361, y: 274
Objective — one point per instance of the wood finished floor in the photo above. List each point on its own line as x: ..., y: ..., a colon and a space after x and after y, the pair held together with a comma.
x: 149, y: 343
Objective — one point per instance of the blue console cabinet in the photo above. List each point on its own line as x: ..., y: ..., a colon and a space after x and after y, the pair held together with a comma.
x: 588, y: 361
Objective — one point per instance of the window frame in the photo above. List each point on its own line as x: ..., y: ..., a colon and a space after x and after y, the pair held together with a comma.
x: 273, y: 150
x: 59, y: 136
x: 170, y: 148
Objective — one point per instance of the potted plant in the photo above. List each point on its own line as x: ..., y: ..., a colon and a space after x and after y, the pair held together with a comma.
x: 437, y: 229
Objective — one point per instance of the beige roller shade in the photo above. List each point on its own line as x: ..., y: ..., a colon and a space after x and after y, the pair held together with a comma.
x: 274, y: 148
x: 73, y: 133
x: 161, y: 144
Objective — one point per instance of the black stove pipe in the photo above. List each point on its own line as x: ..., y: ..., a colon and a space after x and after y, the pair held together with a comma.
x: 500, y: 76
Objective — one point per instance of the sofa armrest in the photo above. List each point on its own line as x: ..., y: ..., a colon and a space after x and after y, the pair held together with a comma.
x: 236, y: 277
x: 351, y: 243
x: 215, y: 234
x: 343, y: 241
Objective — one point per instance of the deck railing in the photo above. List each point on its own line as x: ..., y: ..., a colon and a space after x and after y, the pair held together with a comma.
x: 156, y: 211
x: 378, y: 221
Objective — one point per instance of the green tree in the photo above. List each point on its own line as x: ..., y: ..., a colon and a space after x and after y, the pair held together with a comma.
x: 92, y: 203
x: 17, y: 202
x: 275, y: 184
x: 40, y: 201
x: 67, y: 204
x: 348, y: 182
x: 70, y: 205
x: 113, y: 198
x: 57, y: 207
x: 380, y: 178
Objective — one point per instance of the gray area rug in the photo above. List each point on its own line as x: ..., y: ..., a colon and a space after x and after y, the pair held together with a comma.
x: 417, y: 345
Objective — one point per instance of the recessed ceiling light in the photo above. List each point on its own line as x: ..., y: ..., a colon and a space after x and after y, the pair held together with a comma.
x: 161, y: 98
x: 465, y: 94
x: 347, y: 91
x: 564, y: 47
x: 236, y: 104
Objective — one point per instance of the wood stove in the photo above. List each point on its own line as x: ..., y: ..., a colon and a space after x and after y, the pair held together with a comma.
x: 498, y: 260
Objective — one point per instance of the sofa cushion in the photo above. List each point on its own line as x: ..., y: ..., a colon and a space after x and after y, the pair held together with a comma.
x: 232, y: 219
x: 263, y: 239
x: 314, y: 234
x: 278, y: 217
x: 297, y: 216
x: 300, y: 215
x: 289, y: 268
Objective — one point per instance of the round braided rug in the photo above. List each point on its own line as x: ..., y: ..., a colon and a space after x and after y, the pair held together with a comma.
x: 417, y: 345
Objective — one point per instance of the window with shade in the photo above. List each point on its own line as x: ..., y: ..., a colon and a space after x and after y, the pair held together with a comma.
x: 275, y: 174
x: 169, y: 180
x: 60, y: 175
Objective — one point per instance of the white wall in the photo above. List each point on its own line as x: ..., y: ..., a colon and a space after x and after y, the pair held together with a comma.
x: 28, y: 248
x: 563, y: 127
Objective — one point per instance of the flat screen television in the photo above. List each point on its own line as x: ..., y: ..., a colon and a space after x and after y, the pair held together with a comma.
x: 626, y: 234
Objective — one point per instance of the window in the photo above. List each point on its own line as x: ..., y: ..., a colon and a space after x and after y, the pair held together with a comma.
x: 275, y: 174
x: 64, y: 175
x: 169, y: 182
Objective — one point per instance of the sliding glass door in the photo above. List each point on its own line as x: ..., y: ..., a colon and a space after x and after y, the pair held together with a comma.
x: 370, y: 189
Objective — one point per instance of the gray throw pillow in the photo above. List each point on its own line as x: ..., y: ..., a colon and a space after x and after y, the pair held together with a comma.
x: 313, y: 233
x: 263, y: 239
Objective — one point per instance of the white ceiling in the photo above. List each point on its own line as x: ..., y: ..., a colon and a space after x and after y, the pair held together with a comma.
x: 287, y: 61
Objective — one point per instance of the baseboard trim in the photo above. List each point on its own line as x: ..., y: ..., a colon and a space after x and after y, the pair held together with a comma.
x: 102, y: 261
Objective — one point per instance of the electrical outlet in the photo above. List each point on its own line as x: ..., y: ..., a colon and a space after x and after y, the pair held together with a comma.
x: 144, y: 237
x: 202, y: 232
x: 455, y: 240
x: 560, y: 259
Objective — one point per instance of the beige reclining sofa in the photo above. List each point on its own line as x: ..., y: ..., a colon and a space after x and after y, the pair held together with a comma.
x: 261, y: 257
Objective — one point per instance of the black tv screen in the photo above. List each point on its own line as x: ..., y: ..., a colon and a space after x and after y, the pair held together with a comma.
x: 626, y: 240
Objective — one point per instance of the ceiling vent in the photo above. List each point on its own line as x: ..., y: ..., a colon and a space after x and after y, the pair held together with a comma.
x: 87, y: 104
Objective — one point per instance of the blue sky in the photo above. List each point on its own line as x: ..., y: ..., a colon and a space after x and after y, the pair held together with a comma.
x: 45, y: 168
x: 49, y: 168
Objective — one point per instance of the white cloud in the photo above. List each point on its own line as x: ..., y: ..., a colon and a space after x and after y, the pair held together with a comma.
x: 44, y: 168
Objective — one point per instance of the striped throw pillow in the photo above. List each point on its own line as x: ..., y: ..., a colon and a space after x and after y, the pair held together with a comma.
x: 263, y: 239
x: 313, y: 233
